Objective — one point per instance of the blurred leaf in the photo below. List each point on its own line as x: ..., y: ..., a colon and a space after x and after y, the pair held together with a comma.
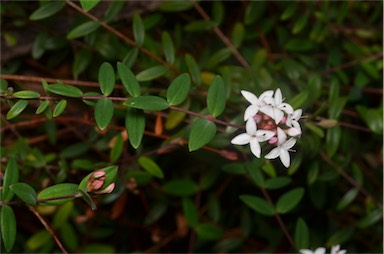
x: 178, y: 90
x: 289, y: 200
x: 25, y: 192
x: 228, y: 245
x: 83, y: 29
x: 168, y: 47
x: 257, y: 176
x: 8, y: 227
x: 74, y: 150
x: 254, y: 11
x: 69, y: 237
x: 181, y: 187
x: 190, y: 212
x: 66, y: 190
x: 300, y: 23
x: 336, y: 107
x: 26, y: 94
x: 113, y: 10
x: 87, y: 5
x: 208, y: 232
x: 106, y: 78
x: 289, y: 11
x: 372, y: 218
x: 234, y: 168
x: 301, y: 235
x: 269, y: 169
x: 47, y: 10
x: 16, y: 109
x: 372, y: 117
x: 62, y: 214
x: 314, y: 87
x: 238, y: 34
x: 151, y: 73
x: 117, y: 148
x: 104, y: 110
x: 332, y: 140
x: 98, y: 248
x: 202, y: 132
x: 138, y: 29
x: 174, y: 118
x: 175, y: 6
x: 157, y: 211
x: 38, y: 239
x: 60, y: 107
x: 215, y: 59
x: 11, y: 176
x: 216, y: 97
x: 313, y: 173
x: 258, y: 204
x: 299, y: 99
x: 340, y: 236
x: 129, y: 80
x: 65, y: 90
x: 277, y: 182
x: 315, y: 129
x: 135, y: 126
x: 150, y: 166
x: 130, y: 58
x: 82, y: 60
x: 214, y: 210
x: 347, y: 199
x: 199, y: 25
x: 299, y: 45
x: 147, y: 102
x: 193, y: 68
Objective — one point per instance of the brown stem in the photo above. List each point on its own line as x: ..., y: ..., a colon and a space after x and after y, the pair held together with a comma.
x: 48, y: 228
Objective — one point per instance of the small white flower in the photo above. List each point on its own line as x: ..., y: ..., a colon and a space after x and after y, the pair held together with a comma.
x: 336, y: 250
x: 283, y: 145
x: 320, y: 250
x: 277, y: 107
x: 252, y: 136
x: 293, y: 119
x: 256, y: 103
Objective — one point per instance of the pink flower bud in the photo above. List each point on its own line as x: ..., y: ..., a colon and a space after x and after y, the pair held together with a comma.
x: 98, y: 174
x: 273, y: 140
x: 257, y: 117
x: 283, y: 120
x: 107, y: 190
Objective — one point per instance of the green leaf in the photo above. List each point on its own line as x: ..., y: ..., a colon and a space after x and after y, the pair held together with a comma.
x: 151, y: 73
x: 340, y: 236
x: 277, y: 182
x: 299, y: 45
x: 175, y: 6
x: 42, y: 107
x: 193, y: 68
x: 69, y: 237
x: 157, y: 211
x: 181, y: 187
x: 135, y: 126
x: 199, y: 25
x: 208, y: 231
x: 83, y: 29
x: 372, y: 218
x: 47, y: 10
x: 129, y: 80
x: 190, y: 212
x: 87, y: 198
x: 150, y: 166
x: 174, y: 118
x: 299, y: 99
x: 289, y: 11
x: 104, y: 110
x: 238, y: 34
x: 39, y: 239
x: 56, y: 192
x: 65, y: 90
x: 117, y: 148
x: 26, y: 94
x: 178, y: 91
x: 113, y: 10
x: 11, y: 176
x: 234, y: 168
x: 138, y: 29
x: 332, y: 140
x: 301, y: 235
x: 106, y: 78
x: 289, y: 200
x: 299, y: 25
x: 336, y: 107
x: 168, y: 47
x: 110, y: 177
x: 372, y: 117
x: 147, y: 102
x: 315, y: 129
x: 8, y: 227
x: 257, y: 176
x: 16, y: 109
x: 216, y: 97
x: 259, y: 205
x: 25, y: 192
x: 60, y: 107
x: 87, y: 5
x: 62, y: 214
x: 202, y: 132
x: 82, y: 60
x: 347, y: 199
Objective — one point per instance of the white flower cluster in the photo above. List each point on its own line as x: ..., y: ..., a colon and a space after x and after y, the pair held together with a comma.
x: 335, y: 250
x: 268, y: 118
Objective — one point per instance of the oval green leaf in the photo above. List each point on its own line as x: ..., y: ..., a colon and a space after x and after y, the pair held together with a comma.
x: 8, y: 227
x: 60, y: 107
x: 83, y: 29
x: 138, y: 29
x: 147, y: 102
x: 190, y: 212
x: 26, y: 94
x: 178, y: 90
x: 202, y: 132
x: 208, y: 231
x: 117, y: 148
x: 168, y: 48
x: 106, y: 78
x: 87, y: 5
x: 129, y: 80
x: 16, y: 109
x: 42, y: 107
x: 193, y: 68
x: 257, y: 204
x: 151, y: 73
x: 277, y: 182
x: 25, y: 192
x: 347, y: 199
x: 104, y: 110
x: 135, y: 126
x: 65, y: 90
x: 11, y: 176
x: 216, y: 97
x: 289, y: 200
x: 301, y: 235
x: 150, y: 166
x: 47, y: 10
x: 181, y: 187
x: 61, y: 193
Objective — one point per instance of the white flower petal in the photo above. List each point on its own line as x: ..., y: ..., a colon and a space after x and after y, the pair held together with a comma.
x: 250, y: 97
x: 284, y: 157
x: 278, y: 97
x: 278, y: 115
x: 250, y: 112
x: 268, y: 110
x: 297, y: 114
x: 266, y: 94
x: 241, y: 139
x: 335, y: 249
x: 255, y: 147
x: 296, y: 125
x: 293, y: 132
x: 251, y: 127
x: 263, y: 135
x: 320, y: 251
x: 289, y: 144
x: 306, y: 251
x: 273, y: 154
x: 281, y: 136
x: 286, y: 108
